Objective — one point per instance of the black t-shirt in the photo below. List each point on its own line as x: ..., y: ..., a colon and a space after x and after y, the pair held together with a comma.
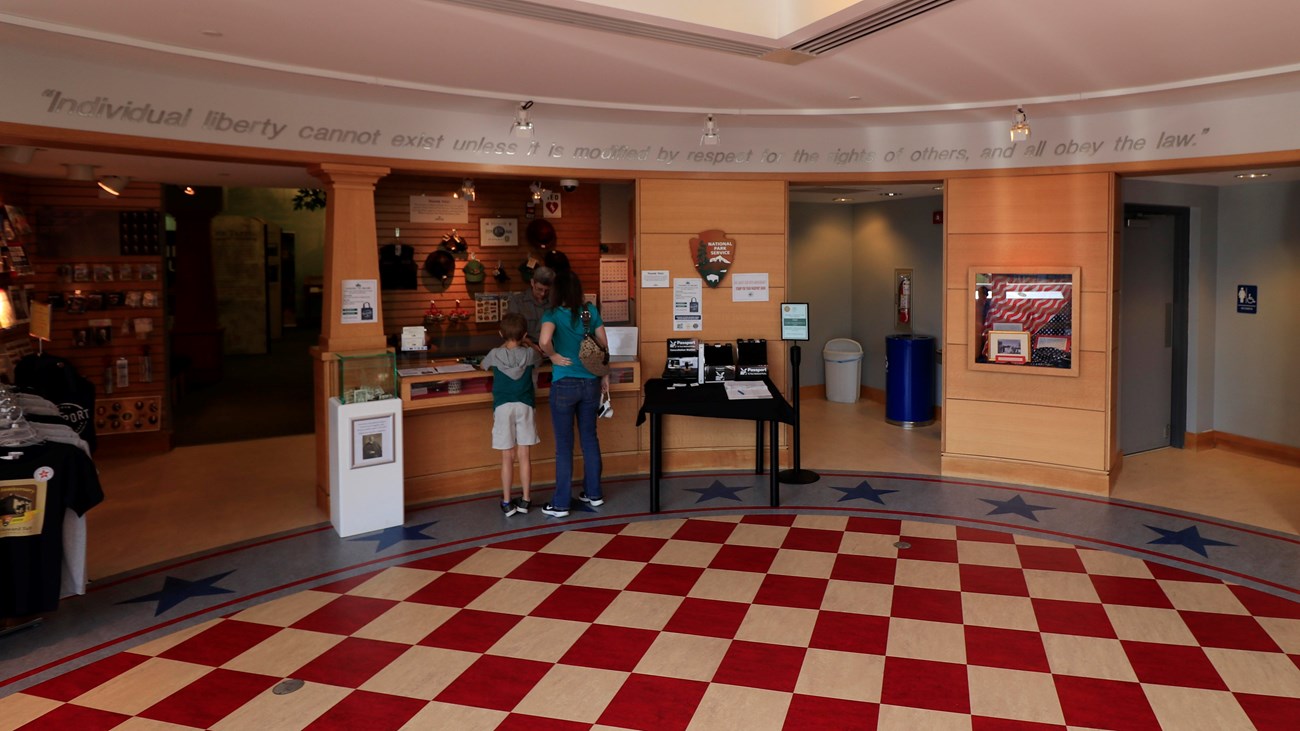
x: 56, y: 380
x: 397, y: 269
x: 36, y: 488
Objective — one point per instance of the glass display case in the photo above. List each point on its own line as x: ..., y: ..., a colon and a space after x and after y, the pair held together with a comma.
x: 369, y: 377
x: 1025, y: 320
x: 456, y: 383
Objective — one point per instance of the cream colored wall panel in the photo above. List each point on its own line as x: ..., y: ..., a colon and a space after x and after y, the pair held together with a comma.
x: 1088, y: 251
x: 957, y: 328
x: 692, y: 206
x: 1043, y: 434
x: 755, y: 253
x: 1096, y: 482
x: 695, y: 432
x: 1094, y: 321
x: 1014, y: 385
x: 724, y: 320
x: 1029, y: 204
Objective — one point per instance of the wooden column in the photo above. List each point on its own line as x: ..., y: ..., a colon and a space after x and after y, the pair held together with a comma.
x: 1015, y: 424
x: 351, y: 252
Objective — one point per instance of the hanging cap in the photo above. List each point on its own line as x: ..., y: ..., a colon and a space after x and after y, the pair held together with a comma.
x: 540, y: 233
x: 474, y: 272
x: 440, y: 265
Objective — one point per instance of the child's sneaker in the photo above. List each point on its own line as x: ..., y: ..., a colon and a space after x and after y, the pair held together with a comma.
x: 522, y: 505
x: 555, y: 512
x: 594, y: 502
x: 508, y: 509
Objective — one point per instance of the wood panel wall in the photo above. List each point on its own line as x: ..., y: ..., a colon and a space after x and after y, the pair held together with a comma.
x: 41, y: 195
x: 670, y: 213
x: 577, y: 234
x: 1013, y: 423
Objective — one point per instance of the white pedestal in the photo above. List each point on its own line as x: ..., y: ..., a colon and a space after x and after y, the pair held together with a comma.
x: 366, y: 473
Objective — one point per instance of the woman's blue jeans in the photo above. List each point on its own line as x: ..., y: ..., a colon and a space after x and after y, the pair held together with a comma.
x: 575, y: 398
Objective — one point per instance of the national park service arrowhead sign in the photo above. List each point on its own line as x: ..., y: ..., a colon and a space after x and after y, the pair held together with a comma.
x: 713, y: 253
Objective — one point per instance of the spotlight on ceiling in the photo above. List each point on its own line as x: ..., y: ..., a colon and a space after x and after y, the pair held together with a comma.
x: 711, y: 134
x: 21, y: 154
x: 523, y: 126
x: 890, y: 194
x: 1020, y: 127
x: 113, y: 184
x: 80, y: 172
x: 188, y: 190
x: 1251, y: 176
x: 466, y: 190
x: 841, y: 199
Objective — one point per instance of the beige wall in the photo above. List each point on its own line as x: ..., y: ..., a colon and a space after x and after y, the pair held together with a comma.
x: 1014, y: 423
x: 669, y: 214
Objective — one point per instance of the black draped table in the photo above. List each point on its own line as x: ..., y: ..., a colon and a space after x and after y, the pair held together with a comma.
x: 710, y: 400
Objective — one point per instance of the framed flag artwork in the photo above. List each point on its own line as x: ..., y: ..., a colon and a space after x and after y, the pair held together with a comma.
x: 1025, y: 318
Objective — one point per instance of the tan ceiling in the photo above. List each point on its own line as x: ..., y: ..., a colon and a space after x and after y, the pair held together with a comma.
x: 964, y: 60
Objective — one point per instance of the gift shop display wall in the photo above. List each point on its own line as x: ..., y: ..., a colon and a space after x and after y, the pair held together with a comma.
x: 99, y: 263
x: 577, y: 236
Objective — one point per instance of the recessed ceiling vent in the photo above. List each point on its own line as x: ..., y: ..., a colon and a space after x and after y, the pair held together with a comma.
x: 579, y: 19
x: 886, y: 17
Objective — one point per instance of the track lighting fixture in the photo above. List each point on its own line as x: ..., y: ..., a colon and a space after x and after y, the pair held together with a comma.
x: 113, y: 184
x: 21, y: 154
x: 1020, y: 128
x: 79, y: 171
x: 711, y: 134
x: 466, y: 190
x: 523, y: 126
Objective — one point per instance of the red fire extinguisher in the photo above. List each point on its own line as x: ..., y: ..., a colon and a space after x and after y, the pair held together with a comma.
x: 904, y: 299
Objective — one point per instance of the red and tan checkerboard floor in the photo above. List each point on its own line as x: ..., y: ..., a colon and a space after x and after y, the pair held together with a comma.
x: 764, y: 621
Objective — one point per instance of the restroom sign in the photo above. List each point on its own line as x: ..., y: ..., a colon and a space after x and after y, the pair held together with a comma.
x: 1247, y: 298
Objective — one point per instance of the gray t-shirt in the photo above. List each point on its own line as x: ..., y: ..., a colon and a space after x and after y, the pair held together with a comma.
x: 524, y: 304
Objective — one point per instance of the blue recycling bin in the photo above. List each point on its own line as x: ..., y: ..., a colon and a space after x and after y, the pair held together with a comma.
x: 909, y: 380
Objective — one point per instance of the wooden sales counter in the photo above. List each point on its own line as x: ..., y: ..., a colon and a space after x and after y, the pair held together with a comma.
x: 447, y: 425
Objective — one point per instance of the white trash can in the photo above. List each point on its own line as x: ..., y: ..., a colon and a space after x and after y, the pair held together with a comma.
x: 843, y: 370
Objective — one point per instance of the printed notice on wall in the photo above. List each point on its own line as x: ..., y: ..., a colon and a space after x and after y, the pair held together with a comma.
x: 359, y: 297
x: 439, y: 209
x: 688, y: 310
x: 41, y: 321
x: 749, y: 287
x: 654, y: 278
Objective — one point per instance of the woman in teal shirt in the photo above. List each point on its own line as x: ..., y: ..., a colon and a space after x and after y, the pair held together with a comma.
x: 575, y: 392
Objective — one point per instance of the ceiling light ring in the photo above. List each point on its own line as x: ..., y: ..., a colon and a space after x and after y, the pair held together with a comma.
x: 1019, y: 125
x: 712, y: 134
x: 523, y: 125
x: 113, y: 184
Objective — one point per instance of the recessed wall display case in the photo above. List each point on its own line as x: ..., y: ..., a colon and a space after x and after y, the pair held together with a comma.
x: 1025, y: 320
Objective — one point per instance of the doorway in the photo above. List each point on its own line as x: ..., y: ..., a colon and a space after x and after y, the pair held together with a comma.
x: 1153, y: 307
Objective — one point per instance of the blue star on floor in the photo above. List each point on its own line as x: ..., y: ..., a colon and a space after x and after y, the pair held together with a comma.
x: 864, y: 491
x: 1189, y: 538
x: 177, y: 590
x: 389, y: 537
x: 1015, y: 506
x: 717, y: 490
